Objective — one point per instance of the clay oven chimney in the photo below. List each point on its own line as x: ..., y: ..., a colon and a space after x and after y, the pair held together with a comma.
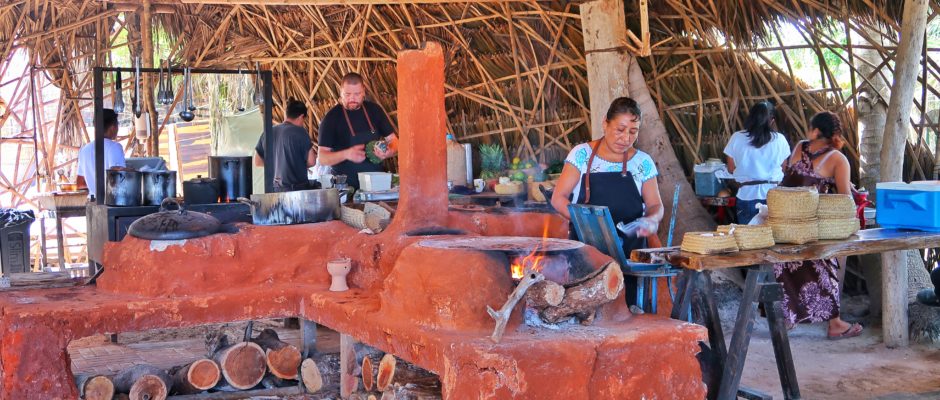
x: 422, y: 155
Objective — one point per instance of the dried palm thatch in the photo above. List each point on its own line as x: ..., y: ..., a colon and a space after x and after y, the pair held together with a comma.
x: 516, y: 73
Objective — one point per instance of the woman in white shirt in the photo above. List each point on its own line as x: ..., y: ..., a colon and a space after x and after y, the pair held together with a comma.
x: 756, y: 156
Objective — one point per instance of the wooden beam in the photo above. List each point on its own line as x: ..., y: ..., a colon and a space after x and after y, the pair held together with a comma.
x: 312, y: 2
x: 604, y: 31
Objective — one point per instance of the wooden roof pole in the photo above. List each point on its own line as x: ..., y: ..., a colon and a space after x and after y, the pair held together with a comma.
x: 602, y: 23
x: 913, y: 29
x: 146, y: 61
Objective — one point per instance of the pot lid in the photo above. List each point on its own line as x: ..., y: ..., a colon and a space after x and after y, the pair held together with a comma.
x: 177, y: 224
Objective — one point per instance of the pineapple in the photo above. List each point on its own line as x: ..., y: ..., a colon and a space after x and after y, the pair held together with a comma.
x: 491, y: 160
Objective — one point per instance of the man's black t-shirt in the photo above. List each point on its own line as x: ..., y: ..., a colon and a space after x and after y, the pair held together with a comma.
x: 335, y: 134
x: 291, y: 146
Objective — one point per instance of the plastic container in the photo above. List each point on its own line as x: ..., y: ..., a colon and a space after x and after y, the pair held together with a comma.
x: 914, y: 205
x: 375, y: 181
x: 706, y: 183
x: 14, y: 241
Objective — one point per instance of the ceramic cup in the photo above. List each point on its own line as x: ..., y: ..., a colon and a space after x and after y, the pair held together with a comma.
x: 338, y: 269
x: 479, y: 185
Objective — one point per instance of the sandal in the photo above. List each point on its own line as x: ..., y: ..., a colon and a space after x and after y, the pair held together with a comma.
x: 854, y: 330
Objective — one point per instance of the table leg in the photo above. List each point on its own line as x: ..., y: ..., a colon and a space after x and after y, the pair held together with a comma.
x: 770, y: 297
x: 740, y: 339
x: 43, y: 254
x: 684, y: 287
x: 309, y: 337
x: 894, y: 299
x: 60, y: 240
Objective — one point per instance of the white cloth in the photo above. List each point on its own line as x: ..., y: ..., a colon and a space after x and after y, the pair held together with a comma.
x: 113, y: 157
x: 641, y: 166
x: 753, y: 164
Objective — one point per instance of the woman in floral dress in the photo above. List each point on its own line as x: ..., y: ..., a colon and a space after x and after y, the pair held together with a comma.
x: 811, y: 288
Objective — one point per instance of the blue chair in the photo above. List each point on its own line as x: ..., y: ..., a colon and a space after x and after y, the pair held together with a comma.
x: 594, y: 226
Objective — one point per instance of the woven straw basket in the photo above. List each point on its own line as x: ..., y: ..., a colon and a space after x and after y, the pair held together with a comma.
x: 353, y: 217
x: 795, y: 231
x: 836, y: 206
x: 837, y: 228
x: 750, y: 237
x: 792, y: 202
x: 708, y: 243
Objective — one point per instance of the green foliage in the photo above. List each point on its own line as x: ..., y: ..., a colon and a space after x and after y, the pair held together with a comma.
x: 491, y: 157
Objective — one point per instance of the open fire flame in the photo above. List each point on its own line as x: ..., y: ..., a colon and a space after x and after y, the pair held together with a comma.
x: 532, y: 261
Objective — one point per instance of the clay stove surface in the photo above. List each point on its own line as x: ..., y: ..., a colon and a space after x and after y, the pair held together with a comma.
x: 509, y: 244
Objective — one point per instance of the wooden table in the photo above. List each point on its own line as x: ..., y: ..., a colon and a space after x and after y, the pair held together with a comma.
x: 761, y: 287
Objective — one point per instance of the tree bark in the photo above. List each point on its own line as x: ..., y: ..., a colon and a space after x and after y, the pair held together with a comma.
x: 319, y: 372
x: 545, y: 294
x: 95, y: 387
x: 282, y: 359
x: 914, y: 23
x: 143, y: 382
x: 242, y: 364
x: 196, y: 376
x: 582, y: 298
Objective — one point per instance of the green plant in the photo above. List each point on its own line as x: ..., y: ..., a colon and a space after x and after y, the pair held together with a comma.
x: 491, y: 159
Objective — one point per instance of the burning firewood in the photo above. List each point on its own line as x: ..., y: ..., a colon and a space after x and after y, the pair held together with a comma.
x: 584, y: 296
x: 242, y: 364
x: 196, y: 376
x: 95, y: 387
x: 282, y: 359
x: 529, y: 278
x: 545, y: 294
x: 143, y: 382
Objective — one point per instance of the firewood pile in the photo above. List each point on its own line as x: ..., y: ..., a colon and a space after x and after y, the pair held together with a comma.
x: 264, y: 365
x: 556, y: 303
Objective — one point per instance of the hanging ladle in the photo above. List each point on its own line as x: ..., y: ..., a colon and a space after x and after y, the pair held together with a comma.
x: 240, y: 91
x: 168, y: 86
x: 259, y: 86
x: 119, y: 97
x: 161, y: 92
x: 136, y: 100
x: 186, y: 114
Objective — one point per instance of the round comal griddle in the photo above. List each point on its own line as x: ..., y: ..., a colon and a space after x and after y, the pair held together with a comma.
x: 506, y: 244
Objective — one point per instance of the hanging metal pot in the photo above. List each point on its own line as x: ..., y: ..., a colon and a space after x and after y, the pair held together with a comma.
x: 158, y: 186
x: 118, y: 96
x: 123, y: 187
x: 201, y: 190
x: 186, y: 114
x: 174, y: 224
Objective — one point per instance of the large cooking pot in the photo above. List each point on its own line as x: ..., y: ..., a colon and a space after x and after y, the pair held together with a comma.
x: 234, y: 175
x: 174, y: 224
x: 158, y: 185
x: 297, y: 207
x: 201, y: 190
x: 123, y: 187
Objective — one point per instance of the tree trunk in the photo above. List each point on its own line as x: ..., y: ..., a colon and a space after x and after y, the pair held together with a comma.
x: 319, y: 372
x: 582, y: 298
x: 654, y: 140
x: 195, y: 377
x: 897, y: 125
x: 143, y: 382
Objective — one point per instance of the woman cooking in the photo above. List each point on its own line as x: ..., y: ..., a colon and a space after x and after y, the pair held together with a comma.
x: 611, y: 172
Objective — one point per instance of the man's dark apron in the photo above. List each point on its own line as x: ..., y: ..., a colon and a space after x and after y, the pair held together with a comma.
x: 619, y: 193
x: 362, y: 137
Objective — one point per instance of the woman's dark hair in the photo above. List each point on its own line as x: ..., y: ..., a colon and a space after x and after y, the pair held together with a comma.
x: 759, y: 123
x: 624, y: 105
x: 830, y: 127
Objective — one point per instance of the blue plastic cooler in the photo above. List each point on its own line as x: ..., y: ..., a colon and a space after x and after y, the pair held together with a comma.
x: 914, y: 205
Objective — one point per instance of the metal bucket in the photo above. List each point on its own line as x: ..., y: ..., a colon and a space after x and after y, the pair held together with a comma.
x: 234, y: 175
x: 123, y: 187
x: 157, y: 186
x: 297, y: 207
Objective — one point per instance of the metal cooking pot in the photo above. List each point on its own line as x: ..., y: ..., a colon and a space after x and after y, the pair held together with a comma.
x: 297, y: 207
x: 177, y: 224
x: 201, y: 190
x: 158, y: 185
x: 123, y: 187
x: 234, y: 175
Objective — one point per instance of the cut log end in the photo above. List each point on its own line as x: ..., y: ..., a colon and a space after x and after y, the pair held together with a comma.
x: 203, y: 374
x: 367, y: 377
x: 148, y: 387
x: 283, y: 362
x: 545, y: 294
x: 96, y: 388
x: 386, y: 372
x: 584, y: 296
x: 310, y: 375
x: 243, y: 364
